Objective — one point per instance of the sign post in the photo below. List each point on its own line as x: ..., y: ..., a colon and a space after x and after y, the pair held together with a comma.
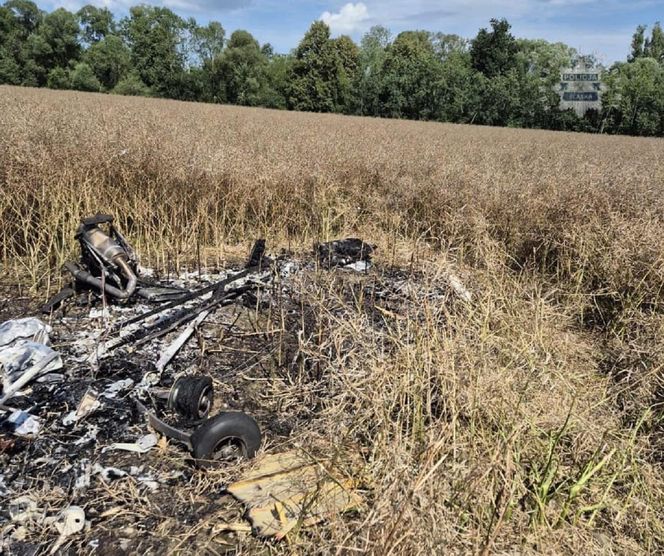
x: 580, y: 89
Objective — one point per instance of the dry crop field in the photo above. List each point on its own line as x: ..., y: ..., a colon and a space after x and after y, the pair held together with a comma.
x: 527, y: 420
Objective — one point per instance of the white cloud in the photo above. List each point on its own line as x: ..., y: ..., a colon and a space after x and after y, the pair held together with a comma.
x: 547, y: 19
x: 351, y: 17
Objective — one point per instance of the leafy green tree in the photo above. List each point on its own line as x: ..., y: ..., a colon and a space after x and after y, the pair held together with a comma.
x: 10, y: 71
x: 348, y: 55
x: 18, y: 21
x: 36, y: 64
x: 412, y: 78
x: 539, y: 65
x: 493, y: 53
x: 654, y: 46
x: 277, y: 73
x: 634, y: 100
x: 110, y: 60
x: 96, y: 23
x: 60, y: 31
x: 318, y: 77
x: 58, y: 78
x: 638, y: 42
x: 26, y: 14
x: 208, y: 41
x: 460, y: 90
x: 267, y: 50
x: 520, y: 78
x: 9, y: 68
x: 370, y: 74
x: 84, y: 79
x: 53, y: 44
x: 238, y: 74
x: 516, y: 98
x: 568, y: 120
x: 544, y: 59
x: 155, y: 37
x: 496, y: 100
x: 132, y: 85
x: 446, y: 45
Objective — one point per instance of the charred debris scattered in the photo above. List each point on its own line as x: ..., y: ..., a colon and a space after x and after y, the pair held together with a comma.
x: 108, y: 269
x: 115, y: 369
x: 106, y: 386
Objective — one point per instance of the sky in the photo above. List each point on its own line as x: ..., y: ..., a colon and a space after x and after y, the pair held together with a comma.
x: 600, y: 27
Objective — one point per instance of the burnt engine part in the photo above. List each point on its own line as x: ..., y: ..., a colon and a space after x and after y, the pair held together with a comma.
x: 343, y: 251
x: 108, y: 260
x: 192, y: 396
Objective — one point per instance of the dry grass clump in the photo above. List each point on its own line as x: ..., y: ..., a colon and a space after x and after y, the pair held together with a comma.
x: 485, y: 426
x: 529, y: 419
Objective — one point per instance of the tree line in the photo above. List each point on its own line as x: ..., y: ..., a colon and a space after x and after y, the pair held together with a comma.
x: 492, y: 79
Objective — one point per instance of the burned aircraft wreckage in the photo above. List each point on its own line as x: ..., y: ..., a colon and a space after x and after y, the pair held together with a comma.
x: 108, y: 267
x: 126, y: 372
x: 126, y: 369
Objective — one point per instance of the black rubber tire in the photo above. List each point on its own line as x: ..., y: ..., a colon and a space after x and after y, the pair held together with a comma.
x: 227, y: 427
x: 192, y: 397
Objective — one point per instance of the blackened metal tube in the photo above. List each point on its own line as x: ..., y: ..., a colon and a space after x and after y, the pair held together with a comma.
x: 87, y: 278
x: 132, y: 279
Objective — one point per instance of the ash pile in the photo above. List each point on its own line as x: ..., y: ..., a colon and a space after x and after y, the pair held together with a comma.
x: 150, y: 382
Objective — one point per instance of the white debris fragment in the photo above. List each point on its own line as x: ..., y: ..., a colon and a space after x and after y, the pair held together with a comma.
x: 288, y: 268
x: 24, y: 509
x: 51, y: 378
x: 149, y: 482
x: 43, y: 461
x: 143, y: 445
x: 26, y: 329
x: 359, y: 266
x: 108, y: 474
x: 17, y: 359
x: 114, y: 389
x: 171, y: 476
x: 89, y: 404
x: 89, y: 436
x: 69, y: 522
x: 459, y: 288
x: 24, y: 424
x: 149, y: 380
x: 70, y: 418
x: 20, y: 533
x: 406, y: 289
x: 171, y: 351
x: 103, y: 313
x: 83, y: 480
x: 144, y: 478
